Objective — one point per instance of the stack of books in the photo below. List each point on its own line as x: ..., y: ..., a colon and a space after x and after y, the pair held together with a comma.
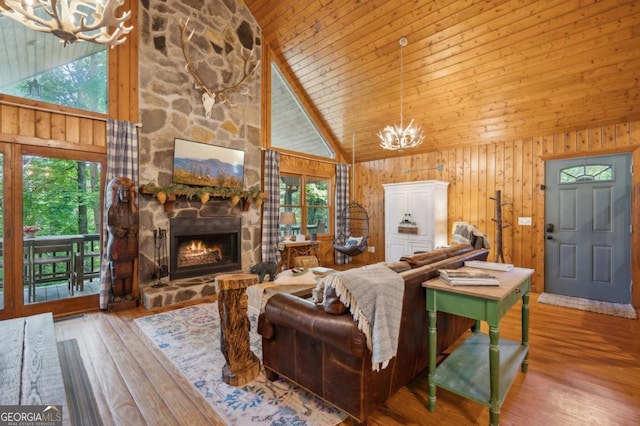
x: 495, y: 266
x: 466, y: 277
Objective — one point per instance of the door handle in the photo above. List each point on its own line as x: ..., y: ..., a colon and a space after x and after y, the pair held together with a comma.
x: 549, y: 237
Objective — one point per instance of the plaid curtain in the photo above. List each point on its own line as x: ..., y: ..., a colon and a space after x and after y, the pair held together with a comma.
x: 342, y: 197
x: 122, y: 161
x: 271, y: 206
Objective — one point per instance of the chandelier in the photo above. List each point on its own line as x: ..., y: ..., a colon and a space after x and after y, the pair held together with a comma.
x: 72, y: 20
x: 396, y: 137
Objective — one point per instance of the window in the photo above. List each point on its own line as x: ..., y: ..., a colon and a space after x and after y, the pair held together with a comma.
x: 57, y: 194
x: 587, y: 173
x: 317, y: 205
x: 61, y: 196
x: 43, y: 69
x: 61, y: 202
x: 2, y: 289
x: 311, y: 206
x: 291, y: 127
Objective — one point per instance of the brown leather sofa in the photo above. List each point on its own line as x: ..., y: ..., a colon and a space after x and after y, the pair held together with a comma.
x: 320, y: 348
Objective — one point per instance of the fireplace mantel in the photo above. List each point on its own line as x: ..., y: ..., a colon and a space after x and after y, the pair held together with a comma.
x: 167, y: 195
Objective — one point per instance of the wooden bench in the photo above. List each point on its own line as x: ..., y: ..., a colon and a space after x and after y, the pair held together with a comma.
x: 31, y: 373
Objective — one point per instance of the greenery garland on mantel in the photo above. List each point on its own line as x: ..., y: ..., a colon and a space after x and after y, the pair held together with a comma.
x: 166, y: 195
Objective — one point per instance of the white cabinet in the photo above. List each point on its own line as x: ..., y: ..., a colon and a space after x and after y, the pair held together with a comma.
x: 426, y: 203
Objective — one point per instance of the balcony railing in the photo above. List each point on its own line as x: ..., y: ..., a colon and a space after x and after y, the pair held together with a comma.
x: 51, y: 260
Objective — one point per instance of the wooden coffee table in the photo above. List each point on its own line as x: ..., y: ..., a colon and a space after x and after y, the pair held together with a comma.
x: 300, y: 290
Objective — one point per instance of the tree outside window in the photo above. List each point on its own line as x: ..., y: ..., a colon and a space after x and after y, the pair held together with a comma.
x: 61, y: 196
x: 79, y: 83
x: 317, y: 205
x: 39, y: 67
x: 311, y: 206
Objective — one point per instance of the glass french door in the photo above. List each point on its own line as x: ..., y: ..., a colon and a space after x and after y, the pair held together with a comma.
x: 5, y: 215
x: 50, y: 253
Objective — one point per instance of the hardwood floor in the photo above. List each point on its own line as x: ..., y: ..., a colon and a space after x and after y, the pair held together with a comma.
x: 584, y: 369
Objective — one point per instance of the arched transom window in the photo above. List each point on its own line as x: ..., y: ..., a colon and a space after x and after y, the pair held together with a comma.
x: 587, y: 173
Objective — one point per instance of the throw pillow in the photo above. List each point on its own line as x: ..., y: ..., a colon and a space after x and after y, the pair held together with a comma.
x: 353, y: 241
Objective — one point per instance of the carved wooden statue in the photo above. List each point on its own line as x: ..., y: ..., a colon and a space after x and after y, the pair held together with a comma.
x: 122, y: 245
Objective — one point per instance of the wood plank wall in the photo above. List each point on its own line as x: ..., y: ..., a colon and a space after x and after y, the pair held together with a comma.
x: 123, y: 71
x: 29, y: 126
x: 516, y: 168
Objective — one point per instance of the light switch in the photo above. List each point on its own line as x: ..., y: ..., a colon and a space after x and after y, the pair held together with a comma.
x: 526, y: 221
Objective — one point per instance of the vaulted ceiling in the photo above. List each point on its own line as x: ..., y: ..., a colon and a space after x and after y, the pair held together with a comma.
x: 474, y: 71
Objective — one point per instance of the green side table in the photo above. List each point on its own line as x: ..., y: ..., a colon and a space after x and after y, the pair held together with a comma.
x: 483, y: 367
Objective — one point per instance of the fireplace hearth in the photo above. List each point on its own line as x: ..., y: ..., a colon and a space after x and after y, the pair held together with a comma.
x: 202, y: 246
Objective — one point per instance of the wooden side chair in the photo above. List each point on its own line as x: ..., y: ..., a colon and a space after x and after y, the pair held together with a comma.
x: 51, y: 261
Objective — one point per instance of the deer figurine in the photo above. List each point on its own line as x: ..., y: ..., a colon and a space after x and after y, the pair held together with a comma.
x: 211, y: 97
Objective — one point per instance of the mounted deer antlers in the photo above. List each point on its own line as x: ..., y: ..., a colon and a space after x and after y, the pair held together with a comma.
x: 210, y: 97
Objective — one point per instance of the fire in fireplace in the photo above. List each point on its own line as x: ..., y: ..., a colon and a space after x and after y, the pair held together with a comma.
x: 193, y: 252
x: 201, y: 246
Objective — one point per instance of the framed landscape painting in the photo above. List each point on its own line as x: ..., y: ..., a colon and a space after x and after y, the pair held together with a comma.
x: 202, y: 164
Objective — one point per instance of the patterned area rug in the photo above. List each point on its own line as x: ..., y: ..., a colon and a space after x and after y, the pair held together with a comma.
x: 190, y: 338
x: 615, y: 309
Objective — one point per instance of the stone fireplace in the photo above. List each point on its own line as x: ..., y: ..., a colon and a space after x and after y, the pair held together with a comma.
x: 170, y: 107
x: 200, y: 246
x: 203, y: 241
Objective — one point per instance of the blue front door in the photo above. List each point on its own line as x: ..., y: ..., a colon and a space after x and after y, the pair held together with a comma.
x: 588, y: 228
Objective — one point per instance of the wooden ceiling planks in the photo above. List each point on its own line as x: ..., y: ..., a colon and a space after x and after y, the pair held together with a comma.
x: 343, y: 41
x: 466, y: 81
x: 387, y: 51
x: 474, y: 72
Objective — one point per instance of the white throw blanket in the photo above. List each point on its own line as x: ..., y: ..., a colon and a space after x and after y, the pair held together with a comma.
x: 255, y: 293
x: 374, y: 296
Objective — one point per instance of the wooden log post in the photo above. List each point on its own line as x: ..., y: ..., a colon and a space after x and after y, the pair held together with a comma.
x: 242, y: 364
x: 499, y: 256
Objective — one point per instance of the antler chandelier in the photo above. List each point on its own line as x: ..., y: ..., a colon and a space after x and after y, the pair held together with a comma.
x: 396, y: 137
x: 72, y: 20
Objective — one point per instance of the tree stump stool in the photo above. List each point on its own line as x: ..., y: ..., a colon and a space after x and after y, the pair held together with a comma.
x: 242, y: 364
